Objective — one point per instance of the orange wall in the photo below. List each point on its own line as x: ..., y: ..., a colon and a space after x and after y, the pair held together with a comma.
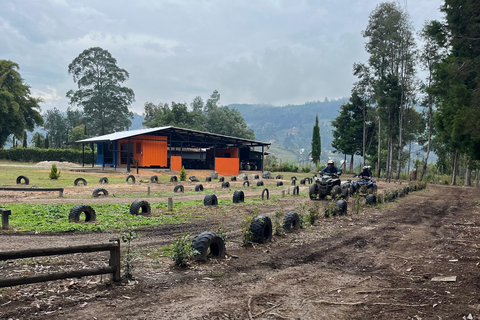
x: 176, y: 163
x: 227, y: 166
x: 221, y: 152
x: 151, y: 152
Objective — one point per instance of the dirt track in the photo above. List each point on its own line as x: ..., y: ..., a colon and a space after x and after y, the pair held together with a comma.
x: 375, y: 265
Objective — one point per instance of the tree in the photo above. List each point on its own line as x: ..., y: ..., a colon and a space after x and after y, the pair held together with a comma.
x: 55, y: 124
x: 104, y: 101
x: 25, y: 144
x: 316, y: 143
x: 38, y: 140
x: 77, y: 133
x: 47, y: 141
x: 228, y: 121
x: 18, y: 110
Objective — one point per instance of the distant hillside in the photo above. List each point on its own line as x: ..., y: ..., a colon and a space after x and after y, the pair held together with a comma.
x: 290, y: 127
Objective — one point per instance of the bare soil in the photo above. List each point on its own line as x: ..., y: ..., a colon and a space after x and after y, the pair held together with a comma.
x: 378, y: 264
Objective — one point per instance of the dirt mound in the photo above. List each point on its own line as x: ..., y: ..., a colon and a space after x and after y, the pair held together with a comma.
x: 60, y: 164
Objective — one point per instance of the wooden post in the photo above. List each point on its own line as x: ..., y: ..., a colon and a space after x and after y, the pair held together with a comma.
x: 283, y: 193
x: 5, y: 214
x: 170, y: 204
x: 60, y: 193
x: 115, y: 260
x: 148, y: 192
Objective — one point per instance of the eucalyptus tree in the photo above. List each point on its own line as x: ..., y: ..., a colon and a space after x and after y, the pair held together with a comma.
x: 56, y: 126
x: 100, y: 93
x: 19, y: 111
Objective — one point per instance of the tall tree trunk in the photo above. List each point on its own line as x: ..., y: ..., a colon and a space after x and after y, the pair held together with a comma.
x: 364, y: 132
x: 468, y: 177
x: 390, y: 158
x: 455, y: 168
x: 430, y: 132
x: 476, y: 178
x: 351, y: 164
x: 379, y: 148
x: 409, y: 158
x: 400, y: 135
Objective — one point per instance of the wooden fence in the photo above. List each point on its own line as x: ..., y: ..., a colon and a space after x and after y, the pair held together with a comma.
x: 59, y: 190
x: 114, y: 263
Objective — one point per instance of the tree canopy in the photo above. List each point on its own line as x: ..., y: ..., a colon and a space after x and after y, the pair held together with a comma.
x: 104, y: 101
x: 18, y: 110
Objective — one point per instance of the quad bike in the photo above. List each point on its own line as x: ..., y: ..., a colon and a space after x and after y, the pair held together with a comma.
x: 365, y: 188
x: 327, y: 185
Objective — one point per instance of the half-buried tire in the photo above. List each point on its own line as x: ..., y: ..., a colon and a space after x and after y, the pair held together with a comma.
x: 279, y: 183
x: 83, y: 181
x: 99, y: 192
x: 238, y: 196
x: 261, y: 229
x: 210, y: 200
x: 103, y: 180
x: 247, y: 183
x: 225, y: 184
x: 76, y: 212
x: 341, y: 207
x: 130, y: 177
x: 209, y: 245
x: 371, y: 199
x: 233, y: 178
x: 173, y: 179
x: 24, y: 178
x: 259, y: 183
x: 154, y: 179
x: 178, y: 188
x: 265, y: 191
x: 140, y: 207
x: 199, y: 187
x: 291, y: 221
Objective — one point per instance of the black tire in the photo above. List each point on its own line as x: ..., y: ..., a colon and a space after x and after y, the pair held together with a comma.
x: 208, y: 244
x: 407, y: 190
x: 279, y: 183
x: 225, y: 184
x: 238, y: 196
x: 341, y: 207
x: 210, y: 200
x: 233, y: 178
x: 103, y: 180
x: 130, y: 177
x: 261, y: 229
x: 279, y: 176
x: 24, y: 178
x: 193, y: 179
x: 345, y: 191
x: 370, y: 200
x: 83, y: 181
x: 293, y: 178
x: 336, y: 190
x: 173, y: 179
x: 246, y: 183
x: 221, y: 179
x: 177, y: 188
x: 294, y: 182
x: 154, y: 179
x: 257, y: 176
x: 291, y: 221
x: 296, y: 190
x: 313, y: 191
x: 268, y: 193
x: 208, y: 179
x: 302, y: 181
x: 99, y: 191
x: 140, y: 207
x: 245, y: 177
x: 199, y: 187
x: 76, y: 212
x: 259, y: 183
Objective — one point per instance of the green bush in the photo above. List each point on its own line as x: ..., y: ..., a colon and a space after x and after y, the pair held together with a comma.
x: 37, y: 155
x: 54, y: 172
x: 306, y: 169
x: 183, y: 174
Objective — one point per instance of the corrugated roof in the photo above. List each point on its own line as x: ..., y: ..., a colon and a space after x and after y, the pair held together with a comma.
x: 121, y: 135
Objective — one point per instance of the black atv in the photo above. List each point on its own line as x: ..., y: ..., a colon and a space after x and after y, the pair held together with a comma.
x: 328, y: 184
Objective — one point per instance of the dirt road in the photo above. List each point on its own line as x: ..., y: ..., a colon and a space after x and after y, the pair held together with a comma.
x: 378, y: 264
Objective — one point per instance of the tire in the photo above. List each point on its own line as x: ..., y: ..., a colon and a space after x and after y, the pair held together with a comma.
x: 268, y: 193
x: 177, y: 188
x: 279, y: 183
x: 208, y: 244
x: 345, y: 191
x: 407, y: 190
x: 313, y: 191
x: 246, y: 183
x: 132, y: 177
x: 341, y: 207
x: 257, y: 176
x: 173, y: 179
x: 294, y: 182
x: 83, y: 181
x: 24, y: 178
x: 291, y: 221
x: 154, y: 179
x: 103, y: 180
x: 261, y: 229
x: 225, y: 184
x: 279, y: 177
x: 75, y: 213
x: 96, y: 192
x: 293, y: 178
x: 221, y: 179
x: 210, y: 200
x: 233, y: 178
x: 199, y: 187
x: 245, y: 177
x: 296, y: 190
x: 259, y: 183
x: 193, y: 179
x: 371, y: 200
x: 336, y: 190
x: 140, y: 207
x: 208, y: 179
x: 238, y: 196
x: 302, y: 181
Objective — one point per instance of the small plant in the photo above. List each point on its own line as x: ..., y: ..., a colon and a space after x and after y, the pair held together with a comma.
x: 247, y: 235
x: 182, y: 251
x: 357, y: 204
x: 183, y: 174
x: 128, y: 237
x: 330, y: 209
x: 278, y: 223
x: 54, y: 172
x: 312, y: 214
x: 220, y: 230
x: 306, y: 169
x: 302, y: 220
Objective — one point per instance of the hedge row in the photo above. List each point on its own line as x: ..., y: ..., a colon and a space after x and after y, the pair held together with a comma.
x: 37, y: 155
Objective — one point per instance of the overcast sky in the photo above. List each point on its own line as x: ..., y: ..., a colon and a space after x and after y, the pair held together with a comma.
x: 252, y: 51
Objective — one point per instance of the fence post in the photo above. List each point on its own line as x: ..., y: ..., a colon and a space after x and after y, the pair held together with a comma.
x: 5, y: 214
x: 115, y: 260
x: 148, y: 191
x: 283, y: 193
x: 170, y: 204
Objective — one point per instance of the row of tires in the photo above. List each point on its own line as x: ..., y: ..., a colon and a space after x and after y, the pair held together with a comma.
x: 137, y: 207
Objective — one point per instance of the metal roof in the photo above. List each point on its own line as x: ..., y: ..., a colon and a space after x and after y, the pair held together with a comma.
x: 179, y: 137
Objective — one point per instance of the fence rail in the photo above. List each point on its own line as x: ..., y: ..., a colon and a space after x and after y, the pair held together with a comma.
x: 113, y: 268
x: 59, y: 190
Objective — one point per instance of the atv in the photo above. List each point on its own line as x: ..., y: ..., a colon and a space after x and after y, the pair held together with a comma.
x: 365, y: 188
x: 327, y: 184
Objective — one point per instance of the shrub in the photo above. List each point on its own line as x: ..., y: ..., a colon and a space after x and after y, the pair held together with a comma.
x: 54, y: 172
x: 183, y: 174
x: 37, y: 155
x: 182, y: 251
x: 306, y: 169
x: 128, y: 237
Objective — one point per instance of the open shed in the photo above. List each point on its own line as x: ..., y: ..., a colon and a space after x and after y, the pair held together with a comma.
x: 172, y: 147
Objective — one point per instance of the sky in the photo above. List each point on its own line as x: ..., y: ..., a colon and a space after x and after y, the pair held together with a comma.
x: 275, y: 52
